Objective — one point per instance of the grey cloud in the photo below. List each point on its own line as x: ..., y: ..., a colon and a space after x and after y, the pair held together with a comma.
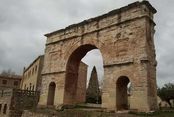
x: 20, y: 39
x: 24, y: 22
x: 164, y: 40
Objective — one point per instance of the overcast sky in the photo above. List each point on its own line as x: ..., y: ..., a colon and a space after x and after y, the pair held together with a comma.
x: 23, y: 24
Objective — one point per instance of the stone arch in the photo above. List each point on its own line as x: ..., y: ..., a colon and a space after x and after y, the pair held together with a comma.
x: 71, y: 78
x: 51, y: 93
x: 122, y: 93
x: 93, y: 43
x: 123, y: 46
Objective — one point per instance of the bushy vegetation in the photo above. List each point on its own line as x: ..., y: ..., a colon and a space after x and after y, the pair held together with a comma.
x: 166, y: 93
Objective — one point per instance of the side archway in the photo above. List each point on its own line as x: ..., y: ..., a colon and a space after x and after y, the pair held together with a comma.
x: 51, y: 93
x: 122, y: 93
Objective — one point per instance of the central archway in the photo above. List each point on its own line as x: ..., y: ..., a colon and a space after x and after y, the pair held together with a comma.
x: 71, y: 80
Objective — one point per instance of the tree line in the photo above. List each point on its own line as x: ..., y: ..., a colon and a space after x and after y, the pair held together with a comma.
x: 8, y: 73
x: 166, y: 93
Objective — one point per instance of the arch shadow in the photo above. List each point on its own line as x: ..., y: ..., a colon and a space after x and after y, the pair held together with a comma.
x: 122, y: 93
x: 51, y: 94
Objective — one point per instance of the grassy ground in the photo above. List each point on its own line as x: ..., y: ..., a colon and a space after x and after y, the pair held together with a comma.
x: 167, y: 112
x: 156, y: 114
x: 164, y: 112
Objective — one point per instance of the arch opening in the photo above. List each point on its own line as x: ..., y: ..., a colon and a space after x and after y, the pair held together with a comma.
x: 76, y: 83
x: 51, y: 94
x: 123, y: 89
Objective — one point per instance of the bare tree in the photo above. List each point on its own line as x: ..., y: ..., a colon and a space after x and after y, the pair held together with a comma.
x: 8, y: 73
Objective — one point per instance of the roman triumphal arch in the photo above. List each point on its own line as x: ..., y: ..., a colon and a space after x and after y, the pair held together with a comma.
x: 125, y: 38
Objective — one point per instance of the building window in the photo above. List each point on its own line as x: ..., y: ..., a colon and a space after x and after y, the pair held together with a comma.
x: 30, y: 86
x: 15, y: 83
x: 4, y: 82
x: 33, y: 87
x: 36, y: 68
x: 32, y: 71
x: 2, y: 93
x: 25, y: 87
x: 29, y: 73
x: 5, y: 109
x: 25, y: 75
x: 0, y: 107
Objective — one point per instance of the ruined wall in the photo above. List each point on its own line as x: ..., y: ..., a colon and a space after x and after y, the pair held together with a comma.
x: 5, y: 98
x: 125, y: 38
x: 16, y: 101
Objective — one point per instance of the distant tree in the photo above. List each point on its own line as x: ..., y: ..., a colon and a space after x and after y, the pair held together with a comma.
x: 166, y: 93
x: 93, y: 94
x: 8, y: 72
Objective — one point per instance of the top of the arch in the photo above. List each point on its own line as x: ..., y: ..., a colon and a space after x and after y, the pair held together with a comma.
x: 116, y: 11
